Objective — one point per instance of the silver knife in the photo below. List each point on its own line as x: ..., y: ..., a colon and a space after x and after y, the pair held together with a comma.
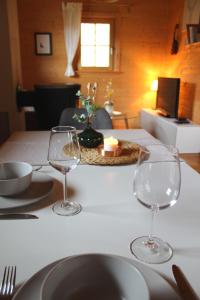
x: 16, y: 216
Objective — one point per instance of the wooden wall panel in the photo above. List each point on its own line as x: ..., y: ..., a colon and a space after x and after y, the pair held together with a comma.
x: 188, y: 70
x: 144, y: 33
x: 9, y: 68
x: 186, y: 65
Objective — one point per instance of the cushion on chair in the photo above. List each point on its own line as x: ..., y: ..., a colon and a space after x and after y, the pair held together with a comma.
x: 66, y: 118
x: 102, y: 120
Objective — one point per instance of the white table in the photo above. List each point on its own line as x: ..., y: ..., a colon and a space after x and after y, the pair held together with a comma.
x: 33, y: 146
x: 111, y: 217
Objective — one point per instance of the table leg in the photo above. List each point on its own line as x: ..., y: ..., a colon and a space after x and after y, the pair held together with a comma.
x: 126, y: 122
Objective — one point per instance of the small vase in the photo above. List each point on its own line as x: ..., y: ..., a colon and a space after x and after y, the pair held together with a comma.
x: 109, y: 106
x: 90, y: 138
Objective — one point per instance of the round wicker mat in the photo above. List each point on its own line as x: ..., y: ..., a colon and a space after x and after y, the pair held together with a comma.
x: 93, y: 156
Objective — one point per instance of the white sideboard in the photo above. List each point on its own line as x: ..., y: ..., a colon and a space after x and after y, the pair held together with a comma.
x: 186, y: 137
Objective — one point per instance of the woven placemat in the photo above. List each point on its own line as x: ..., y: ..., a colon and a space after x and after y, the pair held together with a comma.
x: 93, y: 156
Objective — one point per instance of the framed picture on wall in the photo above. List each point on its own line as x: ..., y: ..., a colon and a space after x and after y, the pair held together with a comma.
x: 43, y: 43
x: 193, y: 33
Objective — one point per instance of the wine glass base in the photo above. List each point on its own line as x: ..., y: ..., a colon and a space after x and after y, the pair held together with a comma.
x: 69, y: 209
x: 153, y: 253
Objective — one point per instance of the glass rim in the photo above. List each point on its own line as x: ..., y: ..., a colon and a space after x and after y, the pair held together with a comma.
x: 170, y: 147
x: 145, y: 154
x: 62, y: 128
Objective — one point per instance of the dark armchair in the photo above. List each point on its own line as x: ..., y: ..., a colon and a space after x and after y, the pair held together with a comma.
x: 51, y: 100
x: 48, y: 101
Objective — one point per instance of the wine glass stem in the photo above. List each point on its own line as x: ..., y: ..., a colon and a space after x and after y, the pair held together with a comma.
x: 66, y: 201
x: 150, y: 240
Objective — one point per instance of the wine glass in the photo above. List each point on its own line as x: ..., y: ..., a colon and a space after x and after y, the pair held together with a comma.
x: 64, y: 156
x: 156, y: 185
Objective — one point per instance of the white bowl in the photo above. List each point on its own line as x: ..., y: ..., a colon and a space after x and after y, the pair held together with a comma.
x: 15, y: 177
x: 94, y: 276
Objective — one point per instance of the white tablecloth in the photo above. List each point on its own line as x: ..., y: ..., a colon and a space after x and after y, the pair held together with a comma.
x: 32, y: 147
x: 111, y: 217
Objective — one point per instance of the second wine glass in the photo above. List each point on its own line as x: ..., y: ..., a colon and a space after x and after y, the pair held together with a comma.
x: 64, y: 156
x: 156, y: 185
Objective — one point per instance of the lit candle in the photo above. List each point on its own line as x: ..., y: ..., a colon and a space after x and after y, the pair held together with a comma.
x: 110, y: 144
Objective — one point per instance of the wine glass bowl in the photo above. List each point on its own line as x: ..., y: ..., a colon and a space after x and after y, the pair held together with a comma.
x: 63, y: 137
x: 156, y: 185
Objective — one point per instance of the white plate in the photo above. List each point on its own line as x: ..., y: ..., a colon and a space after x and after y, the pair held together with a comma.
x: 40, y: 187
x: 94, y: 276
x: 117, y: 113
x: 159, y: 287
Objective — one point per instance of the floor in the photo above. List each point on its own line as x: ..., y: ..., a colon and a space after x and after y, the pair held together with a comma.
x: 193, y: 159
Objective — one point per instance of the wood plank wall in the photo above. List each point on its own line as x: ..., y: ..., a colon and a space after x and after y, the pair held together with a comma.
x: 186, y: 65
x: 145, y: 31
x: 9, y: 66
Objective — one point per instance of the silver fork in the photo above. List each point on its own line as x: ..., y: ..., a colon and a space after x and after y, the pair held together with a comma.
x: 8, y: 283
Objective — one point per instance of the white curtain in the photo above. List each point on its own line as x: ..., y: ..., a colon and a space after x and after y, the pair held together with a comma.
x: 72, y: 25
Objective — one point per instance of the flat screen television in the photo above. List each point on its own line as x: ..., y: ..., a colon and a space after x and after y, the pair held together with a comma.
x: 168, y: 96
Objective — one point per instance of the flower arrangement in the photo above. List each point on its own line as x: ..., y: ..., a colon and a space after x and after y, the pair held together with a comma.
x: 89, y: 137
x: 109, y: 90
x: 88, y: 102
x: 109, y: 104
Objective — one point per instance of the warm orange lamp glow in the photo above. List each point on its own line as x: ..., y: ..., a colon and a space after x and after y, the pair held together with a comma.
x: 154, y: 85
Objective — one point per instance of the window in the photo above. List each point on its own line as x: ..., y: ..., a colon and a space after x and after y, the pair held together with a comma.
x: 97, y: 44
